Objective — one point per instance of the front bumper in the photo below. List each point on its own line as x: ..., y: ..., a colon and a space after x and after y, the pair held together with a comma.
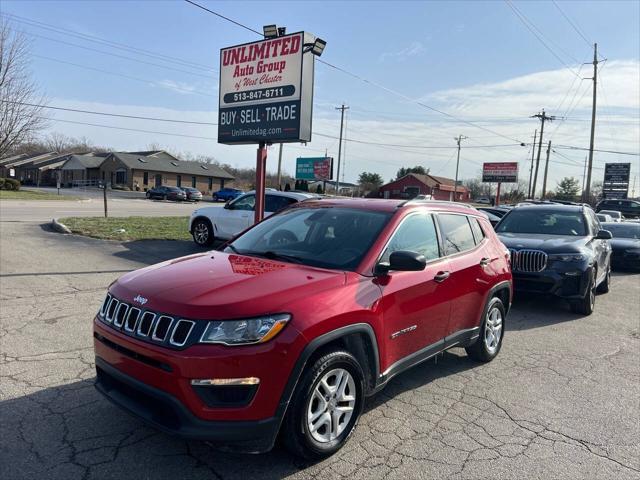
x: 154, y: 383
x: 569, y: 284
x: 166, y: 413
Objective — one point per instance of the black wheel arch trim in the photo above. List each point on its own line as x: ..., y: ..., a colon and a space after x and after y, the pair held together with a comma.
x: 313, y: 346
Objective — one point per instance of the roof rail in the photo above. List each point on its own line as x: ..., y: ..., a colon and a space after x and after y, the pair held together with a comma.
x: 431, y: 202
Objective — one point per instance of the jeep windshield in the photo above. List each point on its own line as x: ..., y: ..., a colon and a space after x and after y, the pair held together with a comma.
x: 544, y: 222
x: 326, y: 237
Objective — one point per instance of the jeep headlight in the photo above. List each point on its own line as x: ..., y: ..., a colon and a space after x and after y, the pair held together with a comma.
x: 245, y: 331
x: 567, y: 257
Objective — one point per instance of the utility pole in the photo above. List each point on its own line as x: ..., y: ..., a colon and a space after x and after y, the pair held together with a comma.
x: 455, y: 184
x: 543, y: 117
x: 587, y: 188
x: 584, y: 175
x: 280, y: 169
x: 342, y: 109
x: 546, y: 168
x: 533, y: 154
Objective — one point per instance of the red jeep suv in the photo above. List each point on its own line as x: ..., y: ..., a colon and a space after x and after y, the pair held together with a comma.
x: 301, y: 317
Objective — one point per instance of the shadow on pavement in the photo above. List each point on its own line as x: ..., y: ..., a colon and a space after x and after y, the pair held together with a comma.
x: 155, y: 251
x: 71, y: 431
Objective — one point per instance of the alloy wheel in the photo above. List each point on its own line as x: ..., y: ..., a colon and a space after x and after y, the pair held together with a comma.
x: 493, y: 330
x: 331, y: 405
x: 201, y: 233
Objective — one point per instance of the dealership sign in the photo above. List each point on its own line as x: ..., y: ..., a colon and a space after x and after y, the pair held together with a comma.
x: 266, y: 91
x: 500, y: 172
x: 616, y: 180
x: 314, y: 168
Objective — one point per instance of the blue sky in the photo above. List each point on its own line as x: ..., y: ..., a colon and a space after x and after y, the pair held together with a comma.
x: 476, y: 60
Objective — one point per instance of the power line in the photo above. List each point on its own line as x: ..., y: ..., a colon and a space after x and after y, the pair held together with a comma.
x: 539, y: 36
x: 575, y: 27
x: 364, y: 80
x: 137, y: 60
x: 617, y: 152
x: 223, y: 17
x: 120, y: 115
x: 102, y: 41
x: 129, y: 77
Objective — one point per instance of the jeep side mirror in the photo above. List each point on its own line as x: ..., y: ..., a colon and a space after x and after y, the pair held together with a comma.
x: 402, y: 260
x: 604, y: 235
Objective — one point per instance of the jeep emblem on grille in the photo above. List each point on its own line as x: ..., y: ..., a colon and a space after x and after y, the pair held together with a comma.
x: 140, y: 299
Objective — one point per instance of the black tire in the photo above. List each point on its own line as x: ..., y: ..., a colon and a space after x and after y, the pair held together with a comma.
x: 586, y: 304
x: 606, y: 283
x: 295, y: 431
x: 214, y: 198
x: 148, y: 195
x: 202, y: 233
x: 481, y: 349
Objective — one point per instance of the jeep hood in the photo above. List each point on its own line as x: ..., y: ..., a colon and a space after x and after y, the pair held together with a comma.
x: 217, y: 285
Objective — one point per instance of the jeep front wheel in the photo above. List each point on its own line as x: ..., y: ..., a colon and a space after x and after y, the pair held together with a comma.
x: 325, y: 406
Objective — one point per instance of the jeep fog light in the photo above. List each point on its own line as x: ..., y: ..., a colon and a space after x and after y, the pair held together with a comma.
x: 216, y: 382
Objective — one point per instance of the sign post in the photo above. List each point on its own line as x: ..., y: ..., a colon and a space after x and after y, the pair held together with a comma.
x: 266, y: 96
x: 500, y: 172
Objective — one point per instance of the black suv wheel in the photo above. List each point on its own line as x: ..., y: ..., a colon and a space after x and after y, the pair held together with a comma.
x: 586, y: 304
x: 325, y: 406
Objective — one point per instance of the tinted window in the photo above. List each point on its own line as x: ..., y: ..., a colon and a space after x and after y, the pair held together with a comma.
x: 323, y: 237
x: 546, y: 222
x: 244, y: 203
x: 477, y: 229
x: 623, y: 230
x: 416, y: 233
x: 594, y: 223
x: 456, y: 233
x: 275, y: 203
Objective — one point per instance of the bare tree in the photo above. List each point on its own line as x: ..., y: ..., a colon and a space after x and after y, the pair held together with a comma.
x: 20, y: 121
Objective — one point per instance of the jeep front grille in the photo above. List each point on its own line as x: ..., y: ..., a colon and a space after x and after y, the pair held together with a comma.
x: 146, y: 325
x: 529, y: 261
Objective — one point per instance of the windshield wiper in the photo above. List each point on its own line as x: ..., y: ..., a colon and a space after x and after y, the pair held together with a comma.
x: 270, y: 254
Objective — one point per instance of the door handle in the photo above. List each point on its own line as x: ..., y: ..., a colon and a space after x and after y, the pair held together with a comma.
x: 245, y: 216
x: 485, y: 261
x: 441, y: 276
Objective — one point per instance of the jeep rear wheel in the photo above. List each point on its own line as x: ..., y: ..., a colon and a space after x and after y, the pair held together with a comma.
x: 325, y: 406
x: 488, y: 344
x: 202, y: 233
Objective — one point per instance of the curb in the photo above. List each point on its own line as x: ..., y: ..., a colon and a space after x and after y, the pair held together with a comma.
x: 59, y: 227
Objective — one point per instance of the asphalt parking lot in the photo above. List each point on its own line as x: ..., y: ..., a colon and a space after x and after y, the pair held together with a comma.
x: 560, y: 401
x: 118, y: 206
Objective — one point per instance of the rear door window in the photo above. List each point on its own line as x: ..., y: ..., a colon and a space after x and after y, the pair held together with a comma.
x: 456, y: 232
x: 478, y: 233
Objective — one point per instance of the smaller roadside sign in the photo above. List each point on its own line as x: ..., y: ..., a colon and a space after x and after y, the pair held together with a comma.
x: 616, y: 180
x: 500, y: 172
x: 314, y: 168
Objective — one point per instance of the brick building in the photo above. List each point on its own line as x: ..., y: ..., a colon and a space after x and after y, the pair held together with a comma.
x: 440, y: 188
x: 144, y: 170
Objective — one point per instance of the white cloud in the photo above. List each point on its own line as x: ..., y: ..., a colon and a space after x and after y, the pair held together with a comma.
x: 503, y: 107
x: 412, y: 50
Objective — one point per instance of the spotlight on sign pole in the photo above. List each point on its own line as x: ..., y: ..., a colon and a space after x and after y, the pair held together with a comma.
x: 270, y: 31
x: 282, y: 31
x: 317, y: 47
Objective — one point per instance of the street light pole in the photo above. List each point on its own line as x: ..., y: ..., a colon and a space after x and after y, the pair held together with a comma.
x: 342, y: 109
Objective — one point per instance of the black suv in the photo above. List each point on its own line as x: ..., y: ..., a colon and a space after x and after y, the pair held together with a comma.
x: 628, y: 208
x: 559, y: 250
